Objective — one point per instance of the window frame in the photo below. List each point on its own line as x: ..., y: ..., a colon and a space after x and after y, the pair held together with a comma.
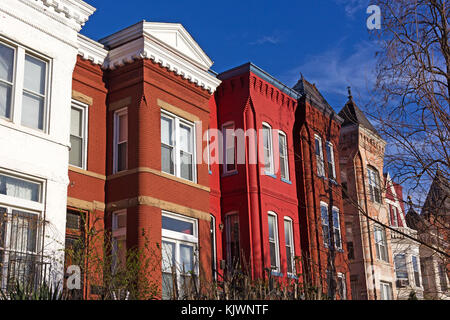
x: 271, y: 170
x: 400, y: 267
x: 225, y: 127
x: 228, y: 237
x: 338, y: 227
x: 290, y: 222
x: 381, y: 244
x: 85, y: 132
x: 213, y: 246
x: 177, y: 122
x: 342, y: 285
x: 320, y: 161
x: 179, y: 239
x: 275, y: 241
x: 374, y: 186
x: 388, y: 285
x: 18, y: 85
x: 284, y: 160
x: 117, y: 115
x: 330, y: 154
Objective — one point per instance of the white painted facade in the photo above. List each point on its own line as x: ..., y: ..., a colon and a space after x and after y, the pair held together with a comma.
x: 47, y: 29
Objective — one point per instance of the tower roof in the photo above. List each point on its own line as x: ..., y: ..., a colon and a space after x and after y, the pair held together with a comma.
x: 352, y: 115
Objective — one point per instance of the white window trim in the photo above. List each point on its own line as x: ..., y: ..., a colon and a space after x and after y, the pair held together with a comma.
x: 177, y: 121
x: 181, y: 239
x: 117, y: 114
x: 271, y: 170
x: 225, y: 127
x: 344, y: 281
x: 85, y: 129
x: 329, y: 144
x: 338, y: 228
x: 389, y: 286
x: 325, y: 205
x: 286, y: 159
x: 320, y: 168
x: 377, y: 177
x: 277, y: 241
x: 384, y: 244
x: 17, y: 89
x: 118, y: 232
x: 291, y: 224
x: 21, y: 203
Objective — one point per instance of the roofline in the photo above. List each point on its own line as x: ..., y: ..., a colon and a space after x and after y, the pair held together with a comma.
x: 250, y: 67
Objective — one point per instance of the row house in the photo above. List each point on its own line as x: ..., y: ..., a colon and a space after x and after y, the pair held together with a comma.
x: 366, y: 209
x: 38, y: 52
x: 432, y: 226
x: 405, y: 247
x: 316, y: 148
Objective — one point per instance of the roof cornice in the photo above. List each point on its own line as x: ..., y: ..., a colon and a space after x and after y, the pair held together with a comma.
x: 142, y: 41
x: 91, y: 50
x: 74, y: 13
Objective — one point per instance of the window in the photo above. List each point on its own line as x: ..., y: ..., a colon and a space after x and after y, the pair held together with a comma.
x: 335, y: 227
x: 34, y: 89
x: 325, y: 224
x: 342, y: 286
x: 229, y: 164
x: 290, y: 252
x: 274, y: 242
x: 212, y: 230
x: 394, y: 216
x: 21, y: 210
x: 331, y: 163
x: 351, y: 250
x: 415, y: 263
x: 400, y: 267
x: 119, y: 240
x: 179, y: 253
x: 177, y: 147
x: 374, y: 184
x: 6, y: 80
x: 268, y: 149
x: 381, y: 244
x: 319, y: 156
x: 386, y: 291
x: 232, y: 240
x: 284, y: 156
x: 209, y: 150
x: 78, y: 135
x: 27, y: 88
x: 443, y: 278
x: 120, y: 140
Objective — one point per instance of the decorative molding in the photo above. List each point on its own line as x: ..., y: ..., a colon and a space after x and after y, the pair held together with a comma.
x: 157, y: 173
x: 167, y: 44
x: 78, y: 96
x: 177, y: 111
x: 91, y: 50
x: 86, y: 205
x: 161, y: 204
x: 76, y: 12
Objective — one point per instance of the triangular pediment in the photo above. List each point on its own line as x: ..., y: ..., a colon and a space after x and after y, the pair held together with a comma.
x: 176, y: 37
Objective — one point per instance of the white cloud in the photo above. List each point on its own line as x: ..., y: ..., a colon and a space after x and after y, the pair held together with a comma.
x: 353, y: 6
x: 266, y: 39
x: 334, y: 70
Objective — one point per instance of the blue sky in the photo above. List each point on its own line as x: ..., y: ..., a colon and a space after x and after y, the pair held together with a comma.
x: 326, y: 40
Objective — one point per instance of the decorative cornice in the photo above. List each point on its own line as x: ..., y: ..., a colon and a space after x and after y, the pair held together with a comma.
x: 91, y: 50
x: 74, y: 13
x: 167, y: 44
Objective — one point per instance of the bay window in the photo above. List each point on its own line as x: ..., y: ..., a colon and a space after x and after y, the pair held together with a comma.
x: 177, y: 147
x: 23, y: 86
x: 179, y: 253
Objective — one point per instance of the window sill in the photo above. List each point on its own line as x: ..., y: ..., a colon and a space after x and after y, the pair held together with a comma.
x: 286, y: 181
x: 270, y: 175
x: 210, y: 172
x: 276, y: 274
x: 230, y: 174
x: 292, y: 276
